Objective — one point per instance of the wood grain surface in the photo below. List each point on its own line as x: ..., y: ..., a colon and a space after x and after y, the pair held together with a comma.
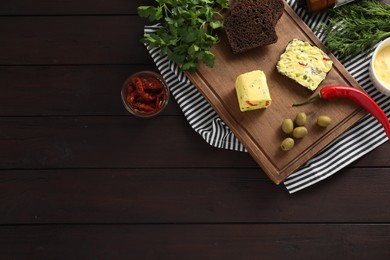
x: 260, y: 130
x: 82, y: 179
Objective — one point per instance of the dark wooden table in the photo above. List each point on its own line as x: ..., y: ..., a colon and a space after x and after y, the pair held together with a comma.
x: 82, y: 179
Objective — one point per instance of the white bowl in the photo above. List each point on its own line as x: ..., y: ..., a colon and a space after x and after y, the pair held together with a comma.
x: 381, y: 86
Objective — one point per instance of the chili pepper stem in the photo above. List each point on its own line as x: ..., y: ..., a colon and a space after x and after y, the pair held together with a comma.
x: 358, y: 96
x: 307, y: 101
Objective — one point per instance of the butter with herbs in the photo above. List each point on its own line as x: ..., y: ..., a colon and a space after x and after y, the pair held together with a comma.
x: 306, y: 64
x: 252, y: 91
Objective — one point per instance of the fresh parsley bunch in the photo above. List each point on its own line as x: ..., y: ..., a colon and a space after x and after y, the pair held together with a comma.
x: 188, y: 29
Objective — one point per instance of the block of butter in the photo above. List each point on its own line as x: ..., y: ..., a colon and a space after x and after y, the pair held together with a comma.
x: 306, y: 64
x: 252, y: 91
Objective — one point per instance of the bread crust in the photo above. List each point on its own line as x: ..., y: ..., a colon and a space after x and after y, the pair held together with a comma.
x: 276, y: 7
x: 250, y: 28
x: 251, y: 23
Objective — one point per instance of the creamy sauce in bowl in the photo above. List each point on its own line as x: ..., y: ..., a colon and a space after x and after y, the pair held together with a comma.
x: 379, y: 69
x: 382, y: 66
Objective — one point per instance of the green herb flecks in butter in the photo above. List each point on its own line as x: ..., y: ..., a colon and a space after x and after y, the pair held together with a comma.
x: 252, y: 91
x: 304, y: 63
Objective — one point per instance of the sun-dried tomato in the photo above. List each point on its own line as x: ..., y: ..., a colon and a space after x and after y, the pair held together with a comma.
x: 145, y: 94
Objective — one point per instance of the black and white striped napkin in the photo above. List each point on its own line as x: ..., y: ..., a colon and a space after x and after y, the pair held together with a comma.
x: 353, y: 144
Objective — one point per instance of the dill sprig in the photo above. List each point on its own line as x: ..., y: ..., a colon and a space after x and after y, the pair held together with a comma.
x: 356, y: 27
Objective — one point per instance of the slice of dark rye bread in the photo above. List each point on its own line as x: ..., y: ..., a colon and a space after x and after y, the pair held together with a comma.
x: 250, y: 28
x: 276, y: 7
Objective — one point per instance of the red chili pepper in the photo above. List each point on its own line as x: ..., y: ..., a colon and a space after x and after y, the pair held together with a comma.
x: 301, y: 63
x: 358, y: 96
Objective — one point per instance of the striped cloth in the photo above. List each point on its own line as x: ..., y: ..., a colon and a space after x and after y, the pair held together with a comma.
x: 353, y: 144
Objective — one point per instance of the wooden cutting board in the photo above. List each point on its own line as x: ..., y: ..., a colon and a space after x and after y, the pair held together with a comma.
x: 260, y: 130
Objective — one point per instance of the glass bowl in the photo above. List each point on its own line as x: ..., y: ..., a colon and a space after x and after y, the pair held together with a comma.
x: 375, y: 75
x: 145, y: 94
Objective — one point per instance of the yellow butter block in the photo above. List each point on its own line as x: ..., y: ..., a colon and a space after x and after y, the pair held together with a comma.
x: 252, y: 91
x: 306, y: 64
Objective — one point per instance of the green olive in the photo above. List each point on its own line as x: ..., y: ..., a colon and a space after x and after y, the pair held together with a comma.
x: 287, y: 126
x: 324, y: 121
x: 287, y: 144
x: 299, y: 132
x: 300, y: 119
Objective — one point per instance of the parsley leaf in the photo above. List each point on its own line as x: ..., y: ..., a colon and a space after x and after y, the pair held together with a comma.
x: 188, y: 29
